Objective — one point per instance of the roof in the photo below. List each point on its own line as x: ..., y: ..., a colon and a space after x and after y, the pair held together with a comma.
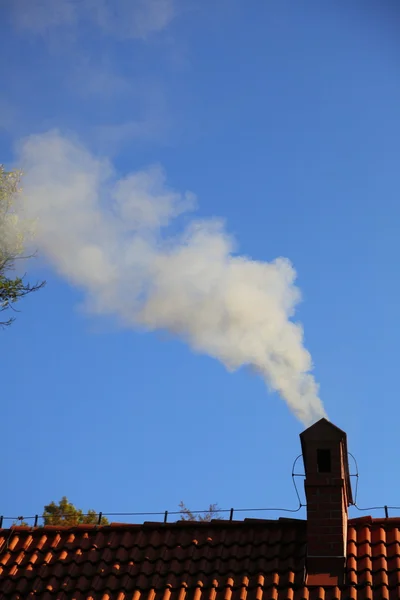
x: 220, y: 560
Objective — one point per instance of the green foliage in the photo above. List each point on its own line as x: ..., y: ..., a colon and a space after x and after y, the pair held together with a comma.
x: 65, y: 513
x: 12, y: 288
x: 187, y: 515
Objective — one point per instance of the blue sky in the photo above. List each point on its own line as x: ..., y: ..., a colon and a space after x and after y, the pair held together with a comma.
x: 282, y: 119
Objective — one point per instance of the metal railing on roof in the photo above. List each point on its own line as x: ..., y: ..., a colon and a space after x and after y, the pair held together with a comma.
x: 164, y: 514
x: 33, y: 520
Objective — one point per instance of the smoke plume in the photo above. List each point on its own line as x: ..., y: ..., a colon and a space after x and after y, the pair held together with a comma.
x: 112, y: 238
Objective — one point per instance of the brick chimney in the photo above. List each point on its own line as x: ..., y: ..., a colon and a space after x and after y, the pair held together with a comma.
x: 328, y: 494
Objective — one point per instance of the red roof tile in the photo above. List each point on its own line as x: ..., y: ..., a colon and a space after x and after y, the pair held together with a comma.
x: 246, y: 560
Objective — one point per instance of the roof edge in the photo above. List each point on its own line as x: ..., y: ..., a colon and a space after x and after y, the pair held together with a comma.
x: 275, y: 523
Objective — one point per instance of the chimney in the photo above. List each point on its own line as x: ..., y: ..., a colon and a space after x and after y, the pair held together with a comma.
x: 328, y: 494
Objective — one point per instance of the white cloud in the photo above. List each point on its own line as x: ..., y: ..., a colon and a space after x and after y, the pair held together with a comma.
x: 39, y: 16
x: 99, y: 78
x: 139, y: 111
x: 108, y: 237
x: 117, y: 18
x: 148, y: 118
x: 111, y: 138
x: 133, y: 18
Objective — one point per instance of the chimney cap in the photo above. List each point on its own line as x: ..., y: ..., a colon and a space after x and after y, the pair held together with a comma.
x: 325, y: 431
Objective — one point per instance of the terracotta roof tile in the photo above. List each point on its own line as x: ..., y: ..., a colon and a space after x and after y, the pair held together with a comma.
x: 246, y: 560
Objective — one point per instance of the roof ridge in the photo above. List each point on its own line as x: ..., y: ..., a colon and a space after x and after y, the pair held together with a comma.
x: 158, y: 524
x: 282, y: 522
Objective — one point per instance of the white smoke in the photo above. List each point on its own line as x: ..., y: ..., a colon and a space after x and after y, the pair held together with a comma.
x: 108, y: 237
